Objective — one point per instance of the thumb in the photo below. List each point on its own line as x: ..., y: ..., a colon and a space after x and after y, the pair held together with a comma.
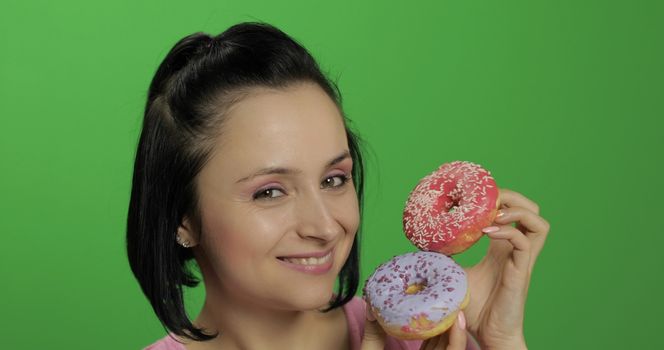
x: 374, y: 335
x: 456, y: 337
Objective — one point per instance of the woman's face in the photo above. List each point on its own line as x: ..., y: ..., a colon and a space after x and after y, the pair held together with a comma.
x: 278, y: 207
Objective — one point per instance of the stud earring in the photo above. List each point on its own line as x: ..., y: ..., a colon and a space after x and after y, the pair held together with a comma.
x: 182, y: 242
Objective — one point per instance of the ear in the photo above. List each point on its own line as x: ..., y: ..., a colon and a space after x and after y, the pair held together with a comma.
x: 186, y: 234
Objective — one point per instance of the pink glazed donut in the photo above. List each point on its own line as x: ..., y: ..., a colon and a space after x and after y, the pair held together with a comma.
x: 417, y: 295
x: 448, y: 208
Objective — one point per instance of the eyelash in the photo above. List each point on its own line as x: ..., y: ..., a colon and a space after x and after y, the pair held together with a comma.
x: 257, y: 196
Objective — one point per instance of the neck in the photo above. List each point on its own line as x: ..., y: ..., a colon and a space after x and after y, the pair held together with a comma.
x: 244, y: 324
x: 254, y: 327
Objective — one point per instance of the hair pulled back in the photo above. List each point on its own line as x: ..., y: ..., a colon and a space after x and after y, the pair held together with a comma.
x: 200, y: 78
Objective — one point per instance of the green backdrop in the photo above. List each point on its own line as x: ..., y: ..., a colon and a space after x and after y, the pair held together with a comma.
x: 562, y: 100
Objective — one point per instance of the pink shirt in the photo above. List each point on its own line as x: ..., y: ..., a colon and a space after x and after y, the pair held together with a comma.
x: 355, y: 315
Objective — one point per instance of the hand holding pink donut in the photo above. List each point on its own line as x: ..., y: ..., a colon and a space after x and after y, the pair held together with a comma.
x: 447, y: 212
x: 499, y: 282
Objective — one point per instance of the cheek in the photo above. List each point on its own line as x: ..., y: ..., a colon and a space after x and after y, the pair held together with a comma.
x: 240, y: 236
x: 349, y: 214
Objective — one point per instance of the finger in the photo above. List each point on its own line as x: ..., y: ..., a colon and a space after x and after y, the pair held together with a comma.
x: 374, y: 335
x: 520, y: 243
x: 532, y: 225
x: 426, y: 344
x: 509, y: 199
x: 430, y: 344
x: 528, y: 218
x: 499, y: 250
x: 455, y: 338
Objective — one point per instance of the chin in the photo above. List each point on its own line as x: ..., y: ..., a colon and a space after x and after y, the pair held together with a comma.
x: 309, y: 292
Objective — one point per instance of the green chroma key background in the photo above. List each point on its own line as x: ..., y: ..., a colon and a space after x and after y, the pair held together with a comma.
x: 561, y: 100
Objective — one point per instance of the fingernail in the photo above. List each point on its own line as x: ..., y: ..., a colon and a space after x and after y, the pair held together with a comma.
x: 500, y: 213
x: 462, y: 320
x: 490, y: 229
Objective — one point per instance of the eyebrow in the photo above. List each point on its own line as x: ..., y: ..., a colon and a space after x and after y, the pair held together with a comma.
x: 289, y: 171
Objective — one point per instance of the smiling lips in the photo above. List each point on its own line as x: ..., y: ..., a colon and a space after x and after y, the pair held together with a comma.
x: 315, y: 263
x: 310, y: 260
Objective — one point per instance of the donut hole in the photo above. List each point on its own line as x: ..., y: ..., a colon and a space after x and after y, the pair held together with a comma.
x: 454, y: 206
x: 415, y: 288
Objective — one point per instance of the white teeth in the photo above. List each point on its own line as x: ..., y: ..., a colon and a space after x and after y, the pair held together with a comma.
x: 310, y: 261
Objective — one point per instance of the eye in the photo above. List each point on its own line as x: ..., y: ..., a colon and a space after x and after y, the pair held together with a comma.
x: 335, y: 181
x: 268, y: 193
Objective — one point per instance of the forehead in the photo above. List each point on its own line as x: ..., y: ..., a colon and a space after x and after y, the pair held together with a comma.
x: 290, y: 127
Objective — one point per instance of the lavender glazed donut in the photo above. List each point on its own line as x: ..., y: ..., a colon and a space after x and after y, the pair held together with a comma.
x: 417, y: 295
x: 448, y: 208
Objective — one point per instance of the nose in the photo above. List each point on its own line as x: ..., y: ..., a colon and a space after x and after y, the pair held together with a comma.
x: 316, y: 218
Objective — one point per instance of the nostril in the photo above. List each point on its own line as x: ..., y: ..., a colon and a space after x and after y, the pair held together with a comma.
x: 318, y: 219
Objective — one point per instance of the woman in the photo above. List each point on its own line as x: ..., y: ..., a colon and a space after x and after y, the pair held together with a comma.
x: 246, y: 164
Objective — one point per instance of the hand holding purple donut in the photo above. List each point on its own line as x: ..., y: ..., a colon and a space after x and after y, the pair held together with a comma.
x: 499, y: 282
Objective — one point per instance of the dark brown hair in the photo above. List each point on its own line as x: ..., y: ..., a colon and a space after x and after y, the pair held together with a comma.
x: 198, y: 80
